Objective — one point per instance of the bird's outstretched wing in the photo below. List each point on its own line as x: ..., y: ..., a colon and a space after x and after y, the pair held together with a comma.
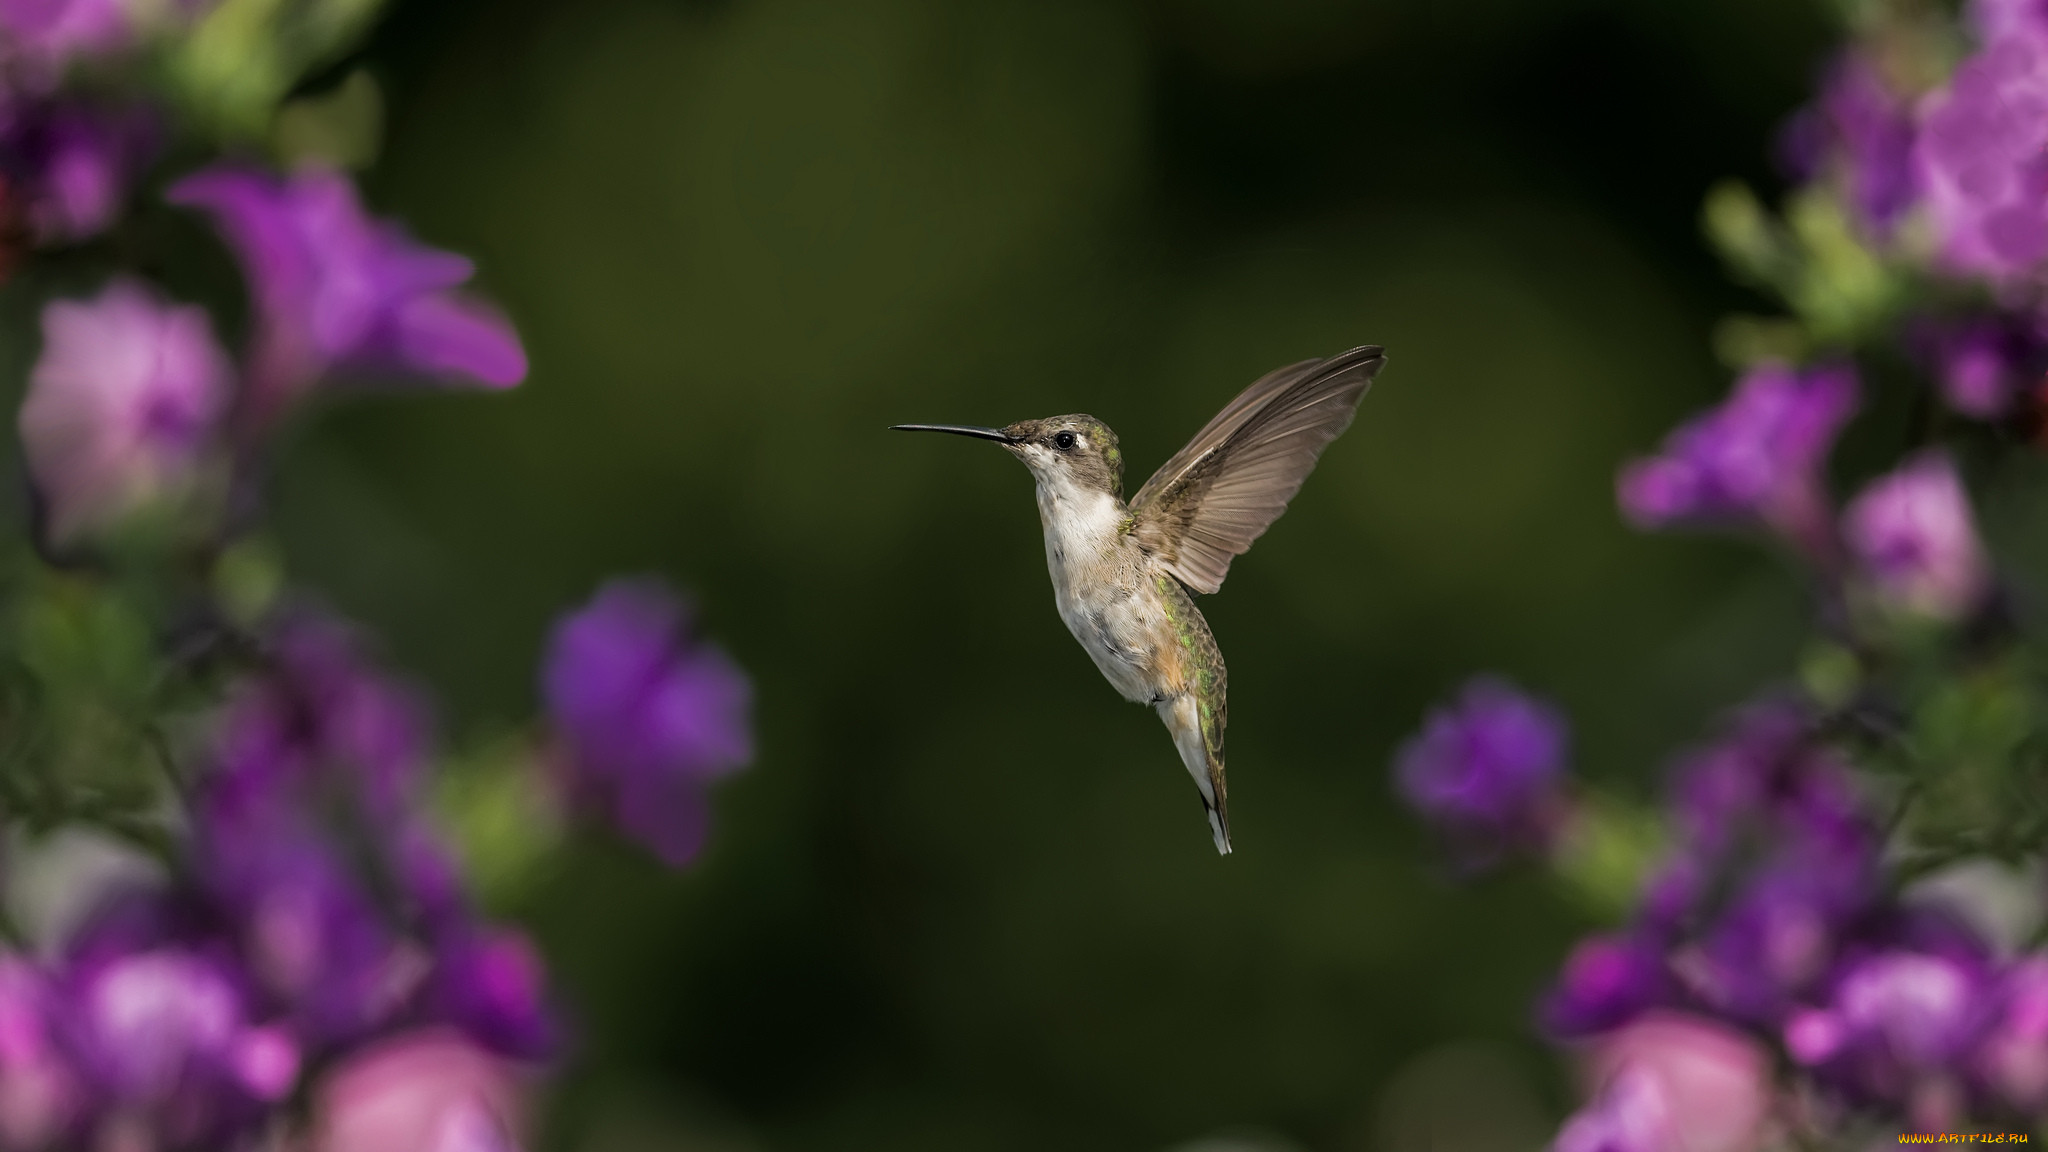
x: 1208, y: 503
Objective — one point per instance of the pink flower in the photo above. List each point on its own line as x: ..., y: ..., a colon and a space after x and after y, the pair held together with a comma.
x: 39, y: 1090
x: 120, y: 406
x: 1980, y: 151
x: 1674, y: 1082
x: 2014, y: 1057
x: 47, y: 33
x: 421, y: 1091
x: 1914, y: 536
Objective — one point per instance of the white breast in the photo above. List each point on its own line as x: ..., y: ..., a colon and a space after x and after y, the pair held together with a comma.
x: 1097, y: 584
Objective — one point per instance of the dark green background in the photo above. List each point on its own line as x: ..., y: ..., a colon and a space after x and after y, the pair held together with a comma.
x: 965, y: 898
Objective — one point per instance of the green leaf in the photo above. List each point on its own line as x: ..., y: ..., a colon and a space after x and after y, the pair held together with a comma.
x: 1609, y: 848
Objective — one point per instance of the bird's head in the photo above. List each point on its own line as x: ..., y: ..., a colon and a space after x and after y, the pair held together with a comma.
x: 1078, y: 450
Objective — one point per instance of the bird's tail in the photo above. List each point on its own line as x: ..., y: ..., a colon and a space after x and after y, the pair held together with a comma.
x: 1204, y: 763
x: 1219, y: 817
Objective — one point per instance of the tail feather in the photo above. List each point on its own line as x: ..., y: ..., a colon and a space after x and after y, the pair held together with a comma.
x: 1219, y: 824
x: 1182, y: 715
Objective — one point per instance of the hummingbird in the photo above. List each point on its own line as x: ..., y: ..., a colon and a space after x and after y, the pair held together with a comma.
x: 1122, y: 572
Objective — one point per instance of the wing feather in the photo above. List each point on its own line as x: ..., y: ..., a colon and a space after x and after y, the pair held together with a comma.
x: 1205, y: 506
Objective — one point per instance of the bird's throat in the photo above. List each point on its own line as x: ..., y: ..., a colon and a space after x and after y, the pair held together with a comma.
x: 1084, y: 527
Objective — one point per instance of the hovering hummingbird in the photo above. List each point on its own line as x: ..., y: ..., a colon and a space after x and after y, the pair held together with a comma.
x: 1121, y: 573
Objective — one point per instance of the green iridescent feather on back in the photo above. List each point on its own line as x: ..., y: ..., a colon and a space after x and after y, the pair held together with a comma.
x: 1205, y: 664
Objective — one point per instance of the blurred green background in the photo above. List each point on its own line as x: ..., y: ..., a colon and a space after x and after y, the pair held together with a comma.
x: 965, y: 898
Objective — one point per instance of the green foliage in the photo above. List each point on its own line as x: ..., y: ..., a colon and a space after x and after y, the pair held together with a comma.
x: 1840, y: 290
x: 245, y: 56
x: 342, y: 128
x: 1976, y: 763
x: 79, y: 698
x: 504, y: 824
x: 1604, y: 856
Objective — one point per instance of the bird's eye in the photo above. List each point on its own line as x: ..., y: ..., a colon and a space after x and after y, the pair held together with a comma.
x: 1064, y: 441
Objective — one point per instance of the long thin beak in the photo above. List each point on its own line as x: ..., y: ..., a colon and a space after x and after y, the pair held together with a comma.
x: 995, y: 434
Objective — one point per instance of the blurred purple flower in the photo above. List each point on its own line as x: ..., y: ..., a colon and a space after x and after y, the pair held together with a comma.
x: 1757, y: 458
x: 1486, y: 768
x: 67, y: 167
x: 491, y: 985
x: 1716, y: 788
x: 1774, y: 941
x: 1777, y: 858
x: 321, y: 714
x: 316, y: 941
x: 1606, y: 982
x: 40, y: 1094
x: 1672, y: 1082
x: 1899, y: 1028
x: 164, y: 1024
x: 1860, y: 120
x: 1982, y: 153
x: 310, y: 840
x: 647, y: 715
x: 121, y: 404
x: 1673, y: 892
x: 1987, y: 365
x: 1766, y: 766
x: 2013, y: 1060
x: 47, y: 33
x: 1767, y: 776
x: 1914, y: 537
x: 335, y: 290
x: 425, y: 876
x: 423, y: 1091
x: 1994, y: 20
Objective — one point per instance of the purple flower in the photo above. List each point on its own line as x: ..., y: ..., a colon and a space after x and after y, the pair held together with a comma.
x: 321, y: 714
x: 46, y: 33
x: 309, y: 835
x: 1764, y: 767
x: 316, y: 941
x: 647, y: 716
x: 1899, y: 1027
x: 121, y: 405
x: 1987, y: 365
x: 491, y: 985
x: 311, y: 850
x: 1717, y: 787
x: 1983, y: 151
x: 1757, y: 458
x: 1777, y: 859
x: 1868, y: 126
x: 335, y: 290
x: 1767, y: 777
x: 1486, y: 768
x: 1774, y: 941
x: 2013, y: 1060
x: 1607, y: 981
x: 67, y: 167
x: 425, y: 878
x: 1912, y: 534
x: 40, y: 1095
x: 165, y: 1026
x: 1994, y: 20
x: 1674, y: 891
